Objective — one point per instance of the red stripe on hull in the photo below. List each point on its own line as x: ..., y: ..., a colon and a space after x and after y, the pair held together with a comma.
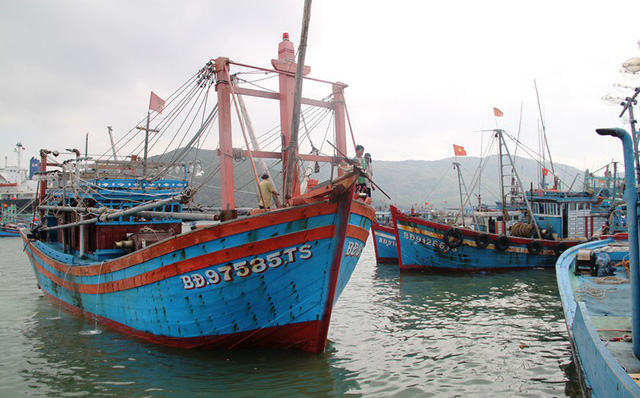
x: 300, y: 336
x: 378, y: 227
x: 203, y: 235
x: 357, y: 233
x: 180, y: 267
x: 363, y: 209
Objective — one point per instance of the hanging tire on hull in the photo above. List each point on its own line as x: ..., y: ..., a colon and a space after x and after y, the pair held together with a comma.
x: 453, y: 237
x: 560, y: 248
x: 534, y: 247
x: 482, y: 240
x: 502, y: 243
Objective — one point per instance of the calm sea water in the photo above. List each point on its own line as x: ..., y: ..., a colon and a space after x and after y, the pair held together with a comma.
x: 493, y: 335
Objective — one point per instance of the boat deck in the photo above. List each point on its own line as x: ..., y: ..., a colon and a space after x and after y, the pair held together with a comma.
x: 598, y: 314
x: 603, y: 297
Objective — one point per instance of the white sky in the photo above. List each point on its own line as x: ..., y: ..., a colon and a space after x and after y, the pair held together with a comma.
x: 422, y: 75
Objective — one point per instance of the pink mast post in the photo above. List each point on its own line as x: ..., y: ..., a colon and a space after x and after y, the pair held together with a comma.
x: 339, y: 114
x: 286, y: 63
x: 226, y: 144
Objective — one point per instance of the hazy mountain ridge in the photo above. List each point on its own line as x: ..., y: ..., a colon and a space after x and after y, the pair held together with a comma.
x: 414, y: 182
x: 408, y: 182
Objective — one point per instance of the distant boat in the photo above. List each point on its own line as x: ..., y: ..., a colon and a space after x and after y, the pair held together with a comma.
x: 110, y: 246
x: 598, y: 285
x: 384, y: 243
x: 501, y: 238
x: 17, y: 189
x: 9, y: 231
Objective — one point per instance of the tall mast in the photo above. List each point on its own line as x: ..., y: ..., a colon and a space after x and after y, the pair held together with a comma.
x: 501, y: 144
x: 113, y: 146
x: 223, y: 81
x: 291, y: 186
x: 545, y: 143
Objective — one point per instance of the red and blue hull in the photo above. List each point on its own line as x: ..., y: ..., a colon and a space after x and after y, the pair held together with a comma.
x: 8, y: 232
x: 422, y: 245
x: 384, y: 243
x: 269, y: 280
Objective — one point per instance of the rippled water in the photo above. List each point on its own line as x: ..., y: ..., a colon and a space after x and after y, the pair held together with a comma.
x: 493, y: 335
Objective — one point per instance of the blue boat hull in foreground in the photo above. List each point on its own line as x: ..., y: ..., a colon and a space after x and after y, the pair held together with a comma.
x: 598, y: 315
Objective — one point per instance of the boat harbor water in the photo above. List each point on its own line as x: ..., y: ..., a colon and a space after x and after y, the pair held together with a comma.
x: 391, y: 334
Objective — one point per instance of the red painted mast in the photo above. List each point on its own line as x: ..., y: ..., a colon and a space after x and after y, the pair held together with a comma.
x: 286, y: 63
x: 223, y: 81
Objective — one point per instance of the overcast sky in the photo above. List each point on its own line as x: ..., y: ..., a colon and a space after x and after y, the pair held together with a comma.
x: 422, y: 75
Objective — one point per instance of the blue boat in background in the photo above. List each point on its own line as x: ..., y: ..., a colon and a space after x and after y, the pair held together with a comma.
x: 598, y: 284
x: 110, y: 244
x: 9, y: 231
x: 528, y: 229
x: 384, y: 243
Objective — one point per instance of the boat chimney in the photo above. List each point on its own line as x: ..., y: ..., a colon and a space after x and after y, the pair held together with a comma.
x: 285, y: 50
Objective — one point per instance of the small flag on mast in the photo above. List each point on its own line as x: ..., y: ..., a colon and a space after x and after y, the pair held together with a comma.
x: 459, y: 150
x: 497, y: 112
x: 156, y: 103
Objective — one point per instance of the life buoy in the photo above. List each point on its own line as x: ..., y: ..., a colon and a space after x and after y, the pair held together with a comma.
x: 453, y: 237
x: 534, y: 247
x: 560, y: 248
x: 482, y: 240
x: 502, y: 243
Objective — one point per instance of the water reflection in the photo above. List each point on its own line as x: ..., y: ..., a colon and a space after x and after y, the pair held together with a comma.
x: 391, y: 334
x: 64, y: 361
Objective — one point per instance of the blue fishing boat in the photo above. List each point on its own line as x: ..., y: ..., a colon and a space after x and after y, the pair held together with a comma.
x: 110, y: 244
x: 9, y: 231
x: 598, y: 284
x: 384, y: 243
x: 519, y: 233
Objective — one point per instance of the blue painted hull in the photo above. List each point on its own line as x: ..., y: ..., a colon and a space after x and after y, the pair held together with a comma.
x: 9, y: 232
x: 592, y: 320
x: 267, y: 280
x: 384, y: 243
x: 422, y: 246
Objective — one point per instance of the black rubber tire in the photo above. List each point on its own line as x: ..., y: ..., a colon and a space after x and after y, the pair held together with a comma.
x: 453, y: 237
x: 560, y: 248
x: 502, y: 243
x: 482, y: 240
x: 534, y: 247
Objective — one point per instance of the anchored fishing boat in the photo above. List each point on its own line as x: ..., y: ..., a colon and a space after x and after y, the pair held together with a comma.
x: 384, y: 243
x: 502, y: 238
x: 9, y: 231
x: 110, y: 246
x: 598, y: 285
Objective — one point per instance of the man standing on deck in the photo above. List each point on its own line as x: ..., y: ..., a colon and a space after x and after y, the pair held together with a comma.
x: 369, y: 185
x: 267, y: 190
x: 361, y: 186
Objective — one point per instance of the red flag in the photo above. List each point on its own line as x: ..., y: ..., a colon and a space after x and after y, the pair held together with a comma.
x: 459, y: 150
x: 545, y: 171
x: 497, y: 112
x: 156, y: 103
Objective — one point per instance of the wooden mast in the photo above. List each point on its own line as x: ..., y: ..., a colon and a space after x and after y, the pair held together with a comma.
x: 223, y: 82
x: 291, y: 184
